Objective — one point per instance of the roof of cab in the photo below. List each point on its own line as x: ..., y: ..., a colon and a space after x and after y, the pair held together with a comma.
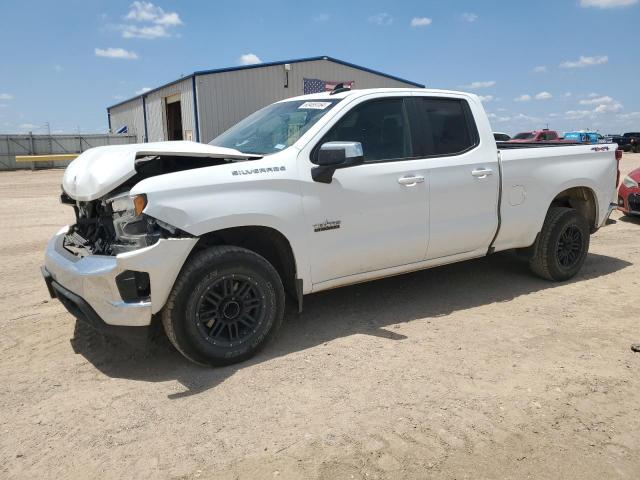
x: 367, y: 91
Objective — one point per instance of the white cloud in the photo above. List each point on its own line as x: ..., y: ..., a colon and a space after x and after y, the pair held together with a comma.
x: 522, y: 116
x: 150, y: 32
x: 118, y: 97
x: 596, y: 100
x: 568, y: 94
x: 585, y: 62
x: 603, y: 103
x: 420, y: 21
x: 116, y: 53
x: 497, y: 118
x: 629, y: 116
x: 540, y: 69
x: 577, y: 114
x: 382, y: 19
x: 485, y: 98
x: 322, y: 17
x: 543, y: 96
x: 478, y: 85
x: 158, y: 22
x: 58, y: 68
x: 607, y: 3
x: 469, y: 17
x: 608, y: 108
x: 249, y: 59
x: 142, y: 90
x: 522, y: 98
x: 6, y: 96
x: 147, y: 12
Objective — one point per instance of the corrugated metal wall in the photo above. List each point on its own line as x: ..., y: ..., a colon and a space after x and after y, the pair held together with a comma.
x: 155, y: 101
x: 12, y: 145
x: 225, y: 98
x: 130, y: 114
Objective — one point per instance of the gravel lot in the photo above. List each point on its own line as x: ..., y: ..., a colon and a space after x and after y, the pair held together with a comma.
x: 475, y: 370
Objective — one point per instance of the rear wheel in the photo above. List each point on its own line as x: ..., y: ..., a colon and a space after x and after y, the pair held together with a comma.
x: 227, y: 303
x: 562, y: 245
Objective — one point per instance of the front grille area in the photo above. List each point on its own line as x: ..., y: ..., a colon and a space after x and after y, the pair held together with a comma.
x: 634, y: 202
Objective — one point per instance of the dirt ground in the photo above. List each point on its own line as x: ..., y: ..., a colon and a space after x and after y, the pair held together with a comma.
x: 475, y: 370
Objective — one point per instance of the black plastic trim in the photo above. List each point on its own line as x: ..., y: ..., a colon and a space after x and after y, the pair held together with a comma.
x: 79, y: 308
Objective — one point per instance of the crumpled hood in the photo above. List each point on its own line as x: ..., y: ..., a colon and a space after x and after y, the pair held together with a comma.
x: 99, y: 170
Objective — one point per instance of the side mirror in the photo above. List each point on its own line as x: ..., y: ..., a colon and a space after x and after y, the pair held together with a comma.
x: 334, y: 155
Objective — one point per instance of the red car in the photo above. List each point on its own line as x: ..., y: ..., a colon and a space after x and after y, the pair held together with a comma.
x: 629, y: 194
x: 544, y: 135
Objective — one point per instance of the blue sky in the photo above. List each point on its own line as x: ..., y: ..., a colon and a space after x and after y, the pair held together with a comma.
x: 569, y: 63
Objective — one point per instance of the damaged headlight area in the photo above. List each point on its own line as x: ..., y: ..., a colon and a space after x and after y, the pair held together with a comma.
x: 114, y: 225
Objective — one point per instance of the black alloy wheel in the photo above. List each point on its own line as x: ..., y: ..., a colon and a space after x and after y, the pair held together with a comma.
x: 562, y: 245
x: 226, y: 304
x: 230, y: 310
x: 570, y: 245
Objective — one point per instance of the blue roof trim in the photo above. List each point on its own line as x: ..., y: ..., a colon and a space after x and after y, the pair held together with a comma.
x: 271, y: 64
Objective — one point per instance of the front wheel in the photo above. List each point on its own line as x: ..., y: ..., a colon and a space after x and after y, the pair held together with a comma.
x: 227, y: 303
x: 562, y: 246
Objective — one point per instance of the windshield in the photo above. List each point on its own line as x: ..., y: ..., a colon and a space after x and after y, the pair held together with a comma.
x: 275, y: 127
x: 524, y: 136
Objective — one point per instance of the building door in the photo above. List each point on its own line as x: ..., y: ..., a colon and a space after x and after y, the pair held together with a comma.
x: 174, y: 118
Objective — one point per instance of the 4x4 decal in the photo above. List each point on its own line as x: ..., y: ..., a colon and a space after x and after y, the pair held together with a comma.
x: 326, y: 225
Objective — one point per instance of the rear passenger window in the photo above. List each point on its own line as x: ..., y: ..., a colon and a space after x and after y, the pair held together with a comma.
x: 448, y: 125
x: 381, y: 126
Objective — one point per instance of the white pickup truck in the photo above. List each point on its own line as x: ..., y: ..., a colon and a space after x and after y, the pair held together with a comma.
x: 307, y: 194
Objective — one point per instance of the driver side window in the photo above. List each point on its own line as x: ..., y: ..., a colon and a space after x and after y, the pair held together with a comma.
x: 381, y: 126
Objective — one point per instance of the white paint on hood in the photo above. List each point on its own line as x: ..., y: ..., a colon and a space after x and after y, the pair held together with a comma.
x: 99, y: 170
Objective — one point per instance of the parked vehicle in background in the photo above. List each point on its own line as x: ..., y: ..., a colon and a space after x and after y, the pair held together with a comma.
x: 584, y: 137
x: 629, y: 194
x: 501, y: 137
x: 308, y: 194
x: 544, y: 135
x: 629, y: 142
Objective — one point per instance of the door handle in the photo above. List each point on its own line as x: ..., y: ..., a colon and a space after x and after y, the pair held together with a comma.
x: 481, y: 172
x: 410, y: 181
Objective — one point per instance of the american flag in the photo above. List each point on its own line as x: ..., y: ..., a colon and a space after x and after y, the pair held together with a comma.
x: 313, y: 85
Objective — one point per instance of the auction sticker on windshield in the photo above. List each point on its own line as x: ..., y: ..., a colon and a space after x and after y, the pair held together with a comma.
x: 315, y: 105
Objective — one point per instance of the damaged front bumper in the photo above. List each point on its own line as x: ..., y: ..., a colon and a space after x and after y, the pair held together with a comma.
x: 94, y: 283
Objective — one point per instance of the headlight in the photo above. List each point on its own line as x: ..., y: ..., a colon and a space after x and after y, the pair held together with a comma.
x: 629, y: 182
x: 125, y: 203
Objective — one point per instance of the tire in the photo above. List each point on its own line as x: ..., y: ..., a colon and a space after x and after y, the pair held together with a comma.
x: 226, y: 305
x: 562, y: 245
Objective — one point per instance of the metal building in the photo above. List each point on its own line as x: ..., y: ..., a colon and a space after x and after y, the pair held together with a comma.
x: 204, y: 104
